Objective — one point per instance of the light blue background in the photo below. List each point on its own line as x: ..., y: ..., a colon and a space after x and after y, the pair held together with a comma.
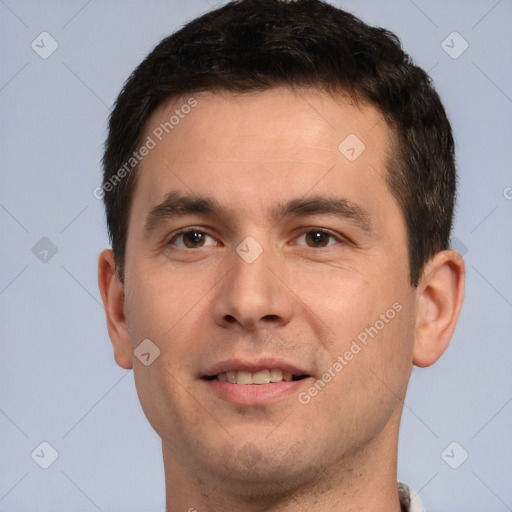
x: 58, y: 380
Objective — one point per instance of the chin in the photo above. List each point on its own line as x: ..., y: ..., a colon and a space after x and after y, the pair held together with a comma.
x: 267, y: 463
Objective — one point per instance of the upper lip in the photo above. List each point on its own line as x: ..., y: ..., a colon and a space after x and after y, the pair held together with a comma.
x: 252, y: 366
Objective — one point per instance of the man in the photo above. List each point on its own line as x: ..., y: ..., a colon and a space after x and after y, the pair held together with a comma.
x: 279, y: 186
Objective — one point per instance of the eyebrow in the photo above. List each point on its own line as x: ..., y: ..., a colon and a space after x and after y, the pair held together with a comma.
x: 177, y: 205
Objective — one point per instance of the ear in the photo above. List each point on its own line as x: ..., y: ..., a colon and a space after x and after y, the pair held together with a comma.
x: 440, y: 294
x: 112, y: 295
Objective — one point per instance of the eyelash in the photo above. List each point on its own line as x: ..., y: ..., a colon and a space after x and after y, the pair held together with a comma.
x: 323, y: 231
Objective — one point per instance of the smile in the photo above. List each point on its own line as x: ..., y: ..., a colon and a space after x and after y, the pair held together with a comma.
x: 261, y: 377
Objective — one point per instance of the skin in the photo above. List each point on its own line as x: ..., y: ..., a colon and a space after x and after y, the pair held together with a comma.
x: 297, y: 301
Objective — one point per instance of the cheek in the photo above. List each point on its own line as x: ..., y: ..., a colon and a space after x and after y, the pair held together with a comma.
x: 157, y: 308
x: 380, y: 370
x: 339, y: 302
x: 397, y: 345
x: 162, y: 394
x: 368, y: 323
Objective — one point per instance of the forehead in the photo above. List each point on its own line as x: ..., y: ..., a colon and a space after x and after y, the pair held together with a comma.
x: 249, y: 149
x: 295, y: 120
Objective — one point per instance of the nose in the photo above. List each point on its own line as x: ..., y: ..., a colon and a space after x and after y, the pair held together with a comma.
x: 254, y: 294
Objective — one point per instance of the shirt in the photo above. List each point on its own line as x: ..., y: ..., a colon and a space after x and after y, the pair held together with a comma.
x: 409, y: 499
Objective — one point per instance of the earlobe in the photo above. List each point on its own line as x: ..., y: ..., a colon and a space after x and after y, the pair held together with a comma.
x: 112, y: 295
x: 440, y: 295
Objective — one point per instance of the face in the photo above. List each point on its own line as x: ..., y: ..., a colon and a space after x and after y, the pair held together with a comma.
x: 264, y: 244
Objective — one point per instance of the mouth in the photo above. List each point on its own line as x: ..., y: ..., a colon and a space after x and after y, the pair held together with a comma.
x: 256, y: 383
x: 262, y: 377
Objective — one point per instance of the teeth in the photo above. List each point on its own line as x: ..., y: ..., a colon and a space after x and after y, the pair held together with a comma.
x: 244, y: 377
x: 276, y: 375
x: 260, y: 377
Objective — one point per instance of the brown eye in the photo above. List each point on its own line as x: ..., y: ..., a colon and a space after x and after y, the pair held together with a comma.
x: 318, y: 238
x: 191, y: 239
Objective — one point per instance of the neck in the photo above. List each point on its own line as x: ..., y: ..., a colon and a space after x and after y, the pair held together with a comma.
x: 363, y: 480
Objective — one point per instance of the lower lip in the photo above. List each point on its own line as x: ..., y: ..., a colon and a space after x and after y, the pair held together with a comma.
x: 255, y: 394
